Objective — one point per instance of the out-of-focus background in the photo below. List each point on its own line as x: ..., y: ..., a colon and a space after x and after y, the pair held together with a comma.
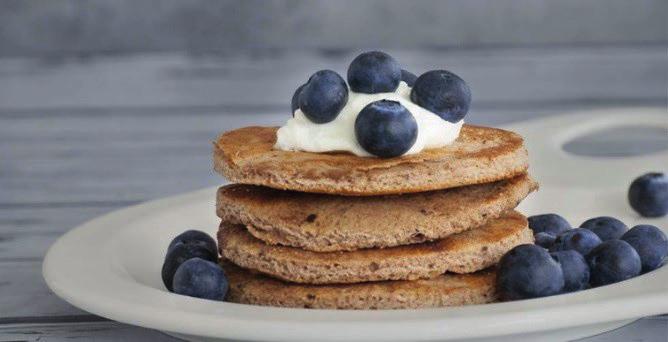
x: 105, y: 104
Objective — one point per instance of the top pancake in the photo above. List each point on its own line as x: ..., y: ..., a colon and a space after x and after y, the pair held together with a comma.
x: 479, y: 155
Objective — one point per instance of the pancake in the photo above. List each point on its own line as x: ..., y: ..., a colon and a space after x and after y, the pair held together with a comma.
x: 325, y: 223
x: 247, y: 287
x: 466, y: 252
x: 479, y: 155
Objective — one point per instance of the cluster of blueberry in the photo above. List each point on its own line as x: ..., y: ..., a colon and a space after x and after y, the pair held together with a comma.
x: 601, y: 251
x: 383, y: 128
x: 191, y: 267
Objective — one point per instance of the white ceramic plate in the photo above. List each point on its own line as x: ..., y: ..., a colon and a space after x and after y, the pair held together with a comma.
x: 110, y: 266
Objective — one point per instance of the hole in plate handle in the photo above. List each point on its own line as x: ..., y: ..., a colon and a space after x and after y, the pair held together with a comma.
x: 619, y: 141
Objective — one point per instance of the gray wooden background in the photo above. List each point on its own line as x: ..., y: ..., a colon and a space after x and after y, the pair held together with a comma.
x: 105, y: 104
x: 56, y: 27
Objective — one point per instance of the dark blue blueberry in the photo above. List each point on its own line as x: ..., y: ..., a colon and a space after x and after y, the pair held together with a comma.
x: 179, y: 254
x: 195, y: 237
x: 648, y: 194
x: 575, y: 269
x: 613, y: 261
x: 374, y: 72
x: 650, y: 243
x: 579, y: 239
x: 386, y: 129
x: 323, y: 96
x: 548, y: 223
x: 408, y: 77
x: 295, y: 99
x: 202, y: 279
x: 528, y: 271
x: 544, y: 240
x: 442, y: 93
x: 606, y: 227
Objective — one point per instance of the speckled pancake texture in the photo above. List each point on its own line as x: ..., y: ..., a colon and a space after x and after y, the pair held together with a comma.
x: 248, y: 287
x: 325, y: 223
x: 466, y: 252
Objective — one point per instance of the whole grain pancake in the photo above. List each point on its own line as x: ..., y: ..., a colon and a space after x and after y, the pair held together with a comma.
x: 325, y: 223
x: 466, y: 252
x: 248, y: 287
x: 479, y: 155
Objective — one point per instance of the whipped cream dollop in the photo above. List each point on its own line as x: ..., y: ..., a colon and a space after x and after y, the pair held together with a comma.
x: 300, y: 134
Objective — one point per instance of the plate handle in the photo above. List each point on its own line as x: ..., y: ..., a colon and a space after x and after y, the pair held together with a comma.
x: 549, y: 162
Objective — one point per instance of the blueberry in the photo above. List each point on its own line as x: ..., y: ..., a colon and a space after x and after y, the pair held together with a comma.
x: 648, y: 194
x: 650, y: 243
x: 323, y: 96
x: 613, y: 261
x: 408, y: 77
x: 579, y: 239
x: 195, y: 237
x: 374, y: 72
x: 202, y: 279
x: 545, y: 240
x: 179, y: 254
x: 606, y: 227
x: 295, y: 99
x: 548, y: 223
x: 575, y: 269
x: 386, y: 129
x: 528, y: 271
x: 442, y: 93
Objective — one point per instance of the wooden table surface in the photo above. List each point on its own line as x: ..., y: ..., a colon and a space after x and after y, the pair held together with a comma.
x: 81, y: 137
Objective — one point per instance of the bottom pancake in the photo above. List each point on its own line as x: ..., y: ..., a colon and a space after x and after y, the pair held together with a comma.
x: 248, y: 287
x: 465, y: 252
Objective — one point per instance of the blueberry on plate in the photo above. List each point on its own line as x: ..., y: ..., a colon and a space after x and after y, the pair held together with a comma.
x: 578, y: 239
x: 548, y: 223
x: 386, y: 129
x: 650, y: 243
x: 528, y: 271
x: 575, y: 269
x: 374, y: 72
x: 179, y: 254
x: 195, y: 237
x: 606, y: 227
x: 323, y: 96
x: 613, y: 261
x: 544, y: 240
x: 294, y: 104
x: 648, y: 194
x: 442, y: 93
x: 202, y: 279
x: 408, y: 77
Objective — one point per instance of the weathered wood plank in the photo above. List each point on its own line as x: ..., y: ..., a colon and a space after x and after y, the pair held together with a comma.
x: 650, y: 329
x: 23, y: 292
x: 498, y: 77
x: 93, y: 331
x: 110, y: 158
x: 27, y: 232
x: 148, y: 25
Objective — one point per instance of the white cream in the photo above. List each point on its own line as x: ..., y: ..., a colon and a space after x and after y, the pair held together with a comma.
x: 300, y: 134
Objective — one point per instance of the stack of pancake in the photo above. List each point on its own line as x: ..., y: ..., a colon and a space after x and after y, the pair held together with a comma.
x: 337, y: 231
